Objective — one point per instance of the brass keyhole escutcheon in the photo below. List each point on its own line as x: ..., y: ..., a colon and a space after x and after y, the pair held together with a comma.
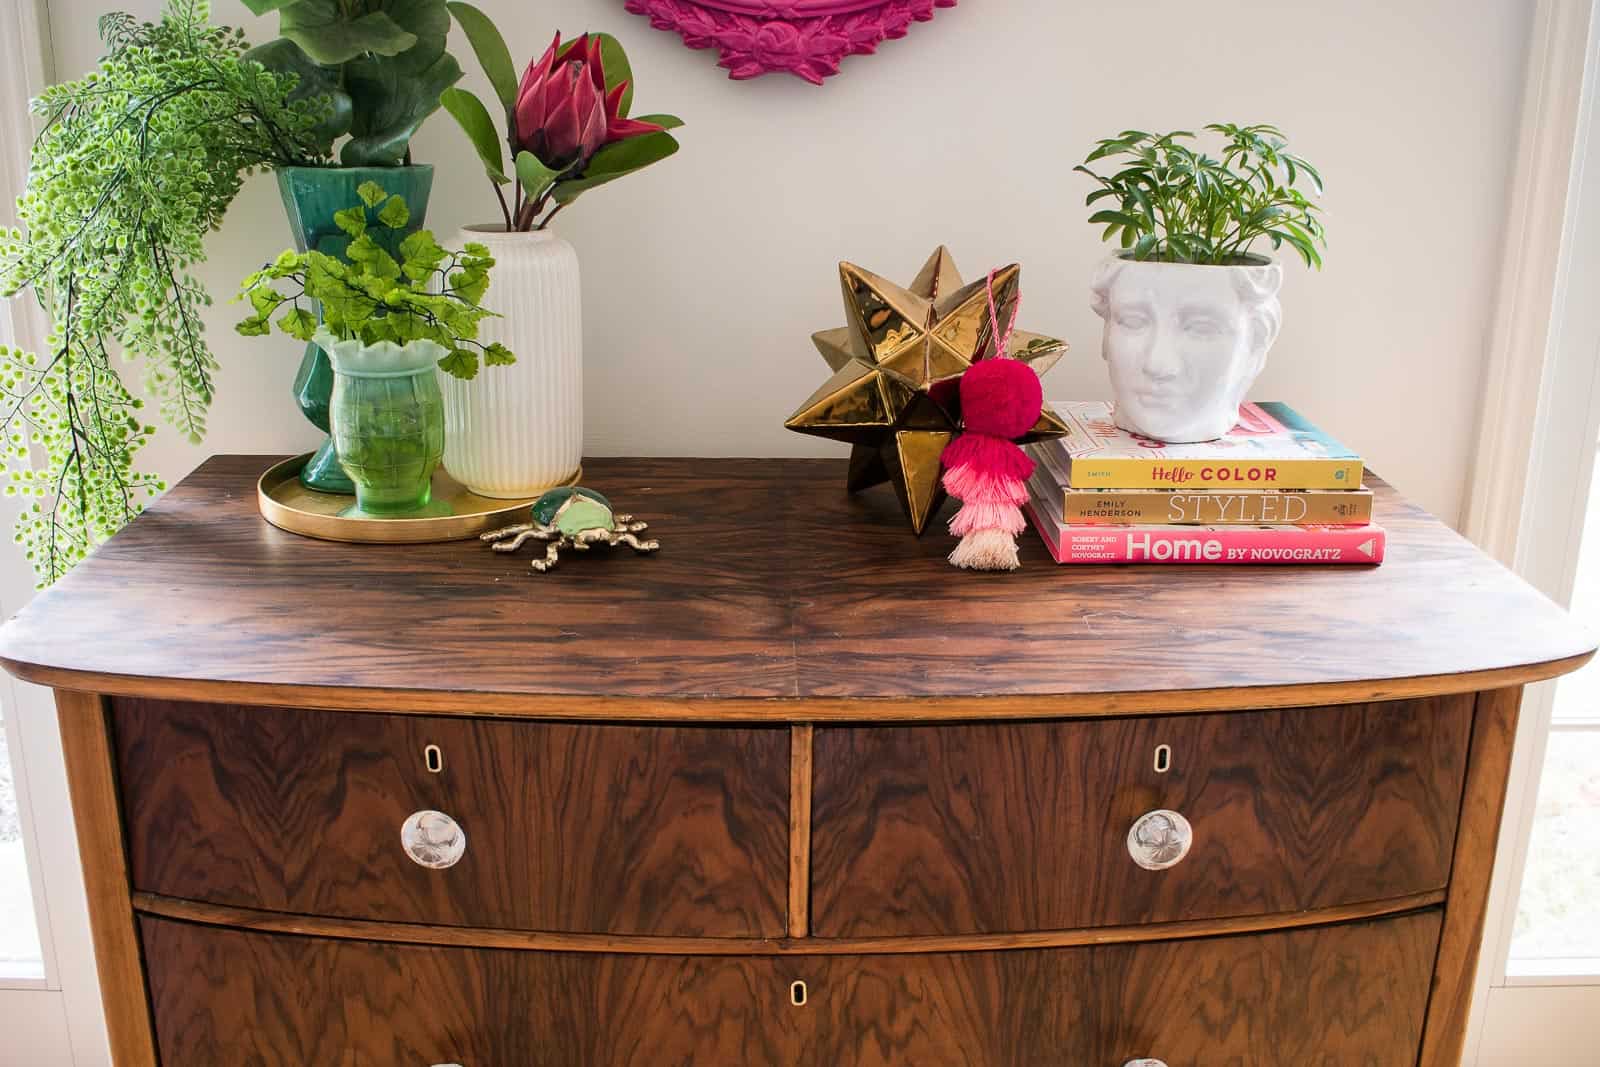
x: 1163, y: 760
x: 433, y: 759
x: 797, y: 993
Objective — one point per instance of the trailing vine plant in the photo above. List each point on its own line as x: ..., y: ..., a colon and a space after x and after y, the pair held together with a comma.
x: 1176, y: 204
x: 135, y: 163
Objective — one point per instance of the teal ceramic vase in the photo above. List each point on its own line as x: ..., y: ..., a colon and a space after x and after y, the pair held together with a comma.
x: 387, y: 419
x: 311, y: 196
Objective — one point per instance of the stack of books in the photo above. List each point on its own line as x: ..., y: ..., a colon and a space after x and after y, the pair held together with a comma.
x: 1275, y: 490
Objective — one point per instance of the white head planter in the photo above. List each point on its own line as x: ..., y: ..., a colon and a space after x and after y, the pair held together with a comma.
x: 1184, y: 342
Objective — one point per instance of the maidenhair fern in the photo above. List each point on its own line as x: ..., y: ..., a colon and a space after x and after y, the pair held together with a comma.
x: 134, y: 165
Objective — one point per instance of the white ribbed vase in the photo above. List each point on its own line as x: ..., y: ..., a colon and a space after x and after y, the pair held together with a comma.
x: 516, y: 431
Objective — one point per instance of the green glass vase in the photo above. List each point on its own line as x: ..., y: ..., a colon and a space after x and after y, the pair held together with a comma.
x: 311, y: 196
x: 387, y: 419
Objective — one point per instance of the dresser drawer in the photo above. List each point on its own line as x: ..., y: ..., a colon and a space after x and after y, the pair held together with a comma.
x: 1025, y: 826
x: 568, y: 827
x: 1349, y: 994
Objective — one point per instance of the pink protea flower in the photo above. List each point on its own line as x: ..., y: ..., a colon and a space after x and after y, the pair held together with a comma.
x: 564, y: 114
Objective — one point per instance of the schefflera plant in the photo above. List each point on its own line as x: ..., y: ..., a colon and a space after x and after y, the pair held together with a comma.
x: 426, y: 292
x: 1174, y: 203
x: 567, y: 120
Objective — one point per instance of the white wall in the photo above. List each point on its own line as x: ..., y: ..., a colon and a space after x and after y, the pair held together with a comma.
x: 704, y: 276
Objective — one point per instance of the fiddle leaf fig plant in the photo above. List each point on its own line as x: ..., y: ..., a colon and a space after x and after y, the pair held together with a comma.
x: 1171, y: 202
x: 382, y: 62
x: 134, y: 165
x: 424, y: 293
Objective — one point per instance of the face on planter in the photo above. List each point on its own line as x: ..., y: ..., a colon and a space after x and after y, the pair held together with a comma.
x: 1184, y: 343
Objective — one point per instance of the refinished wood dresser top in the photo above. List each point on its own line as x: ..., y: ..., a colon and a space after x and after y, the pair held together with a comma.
x: 775, y: 595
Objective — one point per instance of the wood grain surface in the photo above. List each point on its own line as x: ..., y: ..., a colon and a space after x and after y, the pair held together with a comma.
x: 773, y: 587
x: 1494, y: 733
x: 986, y: 828
x: 590, y: 828
x: 278, y: 922
x: 96, y: 813
x: 1349, y: 994
x: 800, y: 779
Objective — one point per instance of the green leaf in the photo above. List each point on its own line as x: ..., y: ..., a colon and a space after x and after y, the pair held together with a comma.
x: 428, y: 21
x: 352, y: 220
x: 390, y: 105
x: 283, y: 56
x: 666, y: 122
x: 498, y: 355
x: 1120, y: 218
x: 490, y: 48
x: 374, y: 261
x: 328, y: 37
x: 265, y: 300
x: 536, y: 178
x: 615, y: 161
x: 618, y: 69
x: 461, y: 363
x: 421, y: 255
x: 473, y: 118
x: 395, y: 214
x: 469, y: 285
x: 298, y: 323
x: 371, y: 193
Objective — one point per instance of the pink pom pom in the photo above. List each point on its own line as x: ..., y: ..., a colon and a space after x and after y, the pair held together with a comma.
x: 1001, y: 396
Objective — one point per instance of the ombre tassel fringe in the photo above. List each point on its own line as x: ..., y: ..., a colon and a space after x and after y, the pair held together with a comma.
x: 976, y: 515
x: 987, y: 550
x: 989, y: 520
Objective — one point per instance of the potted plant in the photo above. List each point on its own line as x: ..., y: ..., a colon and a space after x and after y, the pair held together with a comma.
x: 133, y: 166
x: 567, y: 131
x: 382, y: 64
x: 1190, y: 308
x: 394, y: 307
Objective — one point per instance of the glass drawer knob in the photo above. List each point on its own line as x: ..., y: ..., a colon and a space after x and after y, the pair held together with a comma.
x: 1145, y: 1063
x: 1158, y: 840
x: 433, y: 839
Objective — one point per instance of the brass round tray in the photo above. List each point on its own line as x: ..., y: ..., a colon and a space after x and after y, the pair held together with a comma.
x: 288, y: 505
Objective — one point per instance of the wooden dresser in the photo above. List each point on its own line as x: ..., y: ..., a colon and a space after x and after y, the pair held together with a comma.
x: 793, y: 791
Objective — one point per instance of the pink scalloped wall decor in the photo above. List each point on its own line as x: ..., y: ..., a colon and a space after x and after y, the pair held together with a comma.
x: 806, y: 38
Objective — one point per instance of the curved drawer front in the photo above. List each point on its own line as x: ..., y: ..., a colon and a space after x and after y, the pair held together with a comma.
x: 1037, y: 826
x: 523, y: 825
x: 1340, y: 994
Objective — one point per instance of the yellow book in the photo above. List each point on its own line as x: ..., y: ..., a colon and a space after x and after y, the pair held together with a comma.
x: 1272, y: 448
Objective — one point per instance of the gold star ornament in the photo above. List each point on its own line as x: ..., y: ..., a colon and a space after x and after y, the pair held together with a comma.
x: 897, y: 363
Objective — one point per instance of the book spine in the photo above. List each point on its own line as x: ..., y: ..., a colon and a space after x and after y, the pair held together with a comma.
x: 1093, y: 473
x: 1178, y: 544
x: 1175, y: 507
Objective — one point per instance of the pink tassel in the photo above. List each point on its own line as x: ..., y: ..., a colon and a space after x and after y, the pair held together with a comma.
x: 1000, y: 400
x: 989, y: 519
x: 974, y: 517
x: 995, y: 456
x: 967, y: 482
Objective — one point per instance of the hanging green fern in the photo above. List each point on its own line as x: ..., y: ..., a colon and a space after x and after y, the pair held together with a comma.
x: 135, y: 164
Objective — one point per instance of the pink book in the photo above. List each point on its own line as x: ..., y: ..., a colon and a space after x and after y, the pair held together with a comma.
x: 1205, y: 544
